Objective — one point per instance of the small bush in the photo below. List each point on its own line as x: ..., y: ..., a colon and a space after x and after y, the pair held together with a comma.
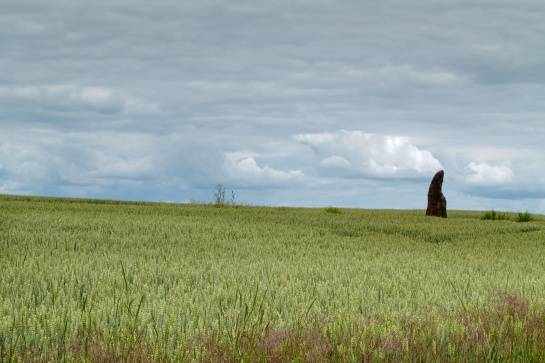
x: 489, y: 215
x: 524, y: 217
x: 219, y: 197
x: 495, y: 216
x: 333, y: 210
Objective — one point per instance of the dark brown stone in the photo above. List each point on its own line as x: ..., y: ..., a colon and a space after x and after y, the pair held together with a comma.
x: 437, y: 204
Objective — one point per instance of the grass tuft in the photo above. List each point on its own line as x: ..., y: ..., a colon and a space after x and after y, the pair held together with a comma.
x: 508, y: 330
x: 333, y: 210
x: 495, y: 216
x: 524, y: 217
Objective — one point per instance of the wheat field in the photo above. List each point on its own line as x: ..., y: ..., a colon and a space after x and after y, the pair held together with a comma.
x: 89, y: 280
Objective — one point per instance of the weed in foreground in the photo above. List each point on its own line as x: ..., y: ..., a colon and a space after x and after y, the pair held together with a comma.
x: 509, y: 330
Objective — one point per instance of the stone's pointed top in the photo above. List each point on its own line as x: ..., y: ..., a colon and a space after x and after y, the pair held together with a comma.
x: 437, y: 204
x: 438, y: 177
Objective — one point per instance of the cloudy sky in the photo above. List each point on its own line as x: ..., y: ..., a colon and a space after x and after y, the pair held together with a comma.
x: 297, y: 103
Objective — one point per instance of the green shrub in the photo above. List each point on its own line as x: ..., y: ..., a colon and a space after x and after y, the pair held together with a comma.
x: 495, y: 216
x: 333, y: 210
x: 524, y: 217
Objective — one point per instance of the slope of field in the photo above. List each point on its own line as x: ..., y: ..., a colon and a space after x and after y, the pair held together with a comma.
x: 145, y: 282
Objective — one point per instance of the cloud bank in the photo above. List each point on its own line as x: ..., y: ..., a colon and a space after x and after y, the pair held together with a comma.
x: 307, y: 103
x: 243, y: 169
x: 370, y: 154
x: 484, y: 174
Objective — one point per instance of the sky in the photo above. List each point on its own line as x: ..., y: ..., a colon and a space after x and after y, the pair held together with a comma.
x: 308, y: 103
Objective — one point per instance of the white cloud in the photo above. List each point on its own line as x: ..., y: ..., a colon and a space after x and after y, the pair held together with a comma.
x: 484, y: 174
x: 73, y: 98
x: 378, y: 155
x: 383, y: 170
x: 243, y: 167
x: 316, y: 140
x: 68, y: 98
x: 335, y: 161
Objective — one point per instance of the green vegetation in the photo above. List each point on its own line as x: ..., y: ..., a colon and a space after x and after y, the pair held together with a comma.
x: 219, y: 196
x: 499, y: 216
x: 333, y: 210
x: 219, y: 200
x: 524, y: 217
x: 493, y: 215
x: 85, y: 280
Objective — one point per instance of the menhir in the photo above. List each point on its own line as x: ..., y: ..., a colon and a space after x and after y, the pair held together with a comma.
x: 437, y: 204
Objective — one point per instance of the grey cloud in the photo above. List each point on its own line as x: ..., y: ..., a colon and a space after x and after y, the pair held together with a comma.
x: 164, y: 91
x: 493, y: 192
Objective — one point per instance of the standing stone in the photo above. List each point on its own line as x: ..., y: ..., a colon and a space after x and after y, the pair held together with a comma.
x: 437, y: 204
